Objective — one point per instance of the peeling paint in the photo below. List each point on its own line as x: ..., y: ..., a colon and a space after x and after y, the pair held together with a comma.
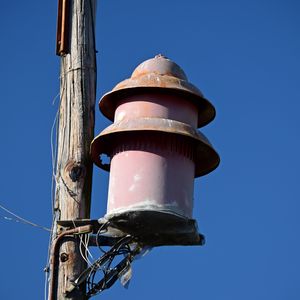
x: 137, y: 177
x: 131, y: 188
x: 150, y: 205
x: 120, y: 116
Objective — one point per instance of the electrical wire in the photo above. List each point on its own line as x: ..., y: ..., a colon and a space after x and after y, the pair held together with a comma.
x: 87, y: 236
x: 22, y: 220
x: 45, y: 284
x: 53, y: 143
x: 80, y: 251
x: 104, y: 263
x: 102, y: 227
x: 19, y: 219
x: 84, y: 244
x: 54, y: 154
x: 81, y: 245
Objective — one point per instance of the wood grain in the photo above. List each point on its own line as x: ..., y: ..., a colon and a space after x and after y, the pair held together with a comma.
x: 75, y: 133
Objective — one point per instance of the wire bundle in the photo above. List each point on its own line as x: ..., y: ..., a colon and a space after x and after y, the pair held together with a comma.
x: 111, y: 268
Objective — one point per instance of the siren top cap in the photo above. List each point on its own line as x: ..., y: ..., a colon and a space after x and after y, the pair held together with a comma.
x: 159, y: 65
x: 158, y: 75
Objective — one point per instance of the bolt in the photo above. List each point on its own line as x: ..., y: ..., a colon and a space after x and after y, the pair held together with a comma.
x: 64, y: 257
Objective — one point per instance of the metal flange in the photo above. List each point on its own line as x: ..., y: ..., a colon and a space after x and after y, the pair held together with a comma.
x: 150, y: 129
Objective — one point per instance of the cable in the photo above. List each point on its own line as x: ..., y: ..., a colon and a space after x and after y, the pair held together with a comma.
x: 104, y: 263
x: 45, y: 284
x: 84, y: 244
x: 80, y: 246
x: 53, y: 143
x: 80, y: 250
x: 87, y: 237
x: 111, y: 275
x: 53, y: 154
x: 87, y: 252
x: 102, y: 227
x: 22, y: 220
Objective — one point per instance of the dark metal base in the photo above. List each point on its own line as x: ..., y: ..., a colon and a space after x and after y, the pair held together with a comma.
x: 150, y: 228
x: 157, y: 228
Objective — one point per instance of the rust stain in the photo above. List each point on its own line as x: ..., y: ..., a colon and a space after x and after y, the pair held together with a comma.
x: 62, y: 30
x: 206, y: 158
x: 159, y: 75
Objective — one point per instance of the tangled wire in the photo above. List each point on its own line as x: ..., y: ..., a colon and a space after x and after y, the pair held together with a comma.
x: 110, y: 264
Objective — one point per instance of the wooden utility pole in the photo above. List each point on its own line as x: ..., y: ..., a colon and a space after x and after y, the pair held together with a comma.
x: 76, y: 46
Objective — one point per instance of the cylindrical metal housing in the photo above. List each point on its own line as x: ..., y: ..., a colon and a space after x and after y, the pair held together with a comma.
x: 144, y: 175
x: 157, y: 105
x: 154, y: 146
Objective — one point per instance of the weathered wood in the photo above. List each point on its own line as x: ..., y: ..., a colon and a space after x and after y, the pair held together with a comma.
x: 75, y: 133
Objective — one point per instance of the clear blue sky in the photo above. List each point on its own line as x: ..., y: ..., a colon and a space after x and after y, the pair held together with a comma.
x: 245, y: 57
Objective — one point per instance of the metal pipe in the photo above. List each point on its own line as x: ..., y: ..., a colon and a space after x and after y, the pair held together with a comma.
x: 55, y: 249
x: 62, y: 31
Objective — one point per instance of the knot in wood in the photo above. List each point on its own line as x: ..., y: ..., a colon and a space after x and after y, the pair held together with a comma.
x: 75, y: 170
x: 64, y: 257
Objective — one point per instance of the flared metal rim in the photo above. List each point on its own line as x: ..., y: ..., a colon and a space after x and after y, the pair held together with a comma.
x: 207, y: 159
x: 206, y: 111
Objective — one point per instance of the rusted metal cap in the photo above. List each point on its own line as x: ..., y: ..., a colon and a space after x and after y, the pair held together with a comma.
x: 158, y: 74
x: 205, y: 157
